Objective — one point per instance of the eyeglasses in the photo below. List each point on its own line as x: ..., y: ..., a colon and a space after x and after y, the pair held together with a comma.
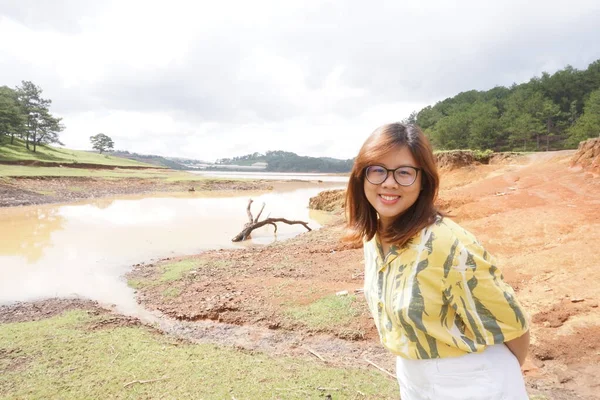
x: 404, y: 176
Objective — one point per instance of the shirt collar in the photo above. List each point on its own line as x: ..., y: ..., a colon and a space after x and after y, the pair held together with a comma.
x: 384, y: 258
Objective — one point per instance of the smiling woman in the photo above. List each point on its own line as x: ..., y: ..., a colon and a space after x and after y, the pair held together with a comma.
x: 438, y: 300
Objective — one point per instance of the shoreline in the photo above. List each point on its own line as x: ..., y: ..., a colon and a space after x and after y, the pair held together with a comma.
x: 39, y: 190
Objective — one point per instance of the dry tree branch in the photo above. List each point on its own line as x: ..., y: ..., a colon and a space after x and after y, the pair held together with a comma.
x: 255, y: 223
x: 259, y: 213
x: 248, y: 210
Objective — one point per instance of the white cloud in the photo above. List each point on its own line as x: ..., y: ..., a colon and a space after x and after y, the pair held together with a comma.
x: 219, y: 79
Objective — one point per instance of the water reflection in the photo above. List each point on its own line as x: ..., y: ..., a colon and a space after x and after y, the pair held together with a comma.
x: 28, y: 231
x: 84, y: 249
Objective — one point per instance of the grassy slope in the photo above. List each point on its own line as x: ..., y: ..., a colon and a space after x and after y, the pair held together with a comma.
x: 62, y: 357
x: 18, y: 151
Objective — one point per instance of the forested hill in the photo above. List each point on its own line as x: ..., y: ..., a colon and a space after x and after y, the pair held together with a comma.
x: 283, y: 161
x: 549, y: 112
x: 150, y: 159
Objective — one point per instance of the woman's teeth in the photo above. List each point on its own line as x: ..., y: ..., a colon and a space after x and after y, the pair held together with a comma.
x: 389, y: 198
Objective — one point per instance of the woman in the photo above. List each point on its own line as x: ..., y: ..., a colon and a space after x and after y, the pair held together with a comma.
x: 439, y: 302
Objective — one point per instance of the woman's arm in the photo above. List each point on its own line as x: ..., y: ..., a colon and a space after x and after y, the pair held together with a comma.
x: 519, y: 347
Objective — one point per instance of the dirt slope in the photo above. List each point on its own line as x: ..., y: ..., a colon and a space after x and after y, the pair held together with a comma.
x: 588, y: 156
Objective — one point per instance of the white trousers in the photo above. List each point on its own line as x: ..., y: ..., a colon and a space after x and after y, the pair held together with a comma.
x: 493, y: 374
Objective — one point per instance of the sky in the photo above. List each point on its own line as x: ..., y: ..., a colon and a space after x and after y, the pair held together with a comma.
x: 208, y: 79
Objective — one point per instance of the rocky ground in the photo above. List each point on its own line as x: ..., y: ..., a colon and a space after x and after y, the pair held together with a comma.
x: 42, y: 190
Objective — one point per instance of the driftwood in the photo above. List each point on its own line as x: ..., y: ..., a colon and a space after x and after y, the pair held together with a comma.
x: 380, y: 368
x: 314, y: 353
x: 254, y: 223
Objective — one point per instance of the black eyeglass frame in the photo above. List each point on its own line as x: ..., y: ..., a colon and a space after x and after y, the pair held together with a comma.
x: 393, y: 171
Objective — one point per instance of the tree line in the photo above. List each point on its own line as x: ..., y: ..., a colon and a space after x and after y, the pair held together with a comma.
x: 551, y: 112
x: 285, y: 161
x: 150, y: 159
x: 25, y: 114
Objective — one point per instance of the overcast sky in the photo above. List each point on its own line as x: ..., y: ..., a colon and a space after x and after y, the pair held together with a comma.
x: 213, y: 79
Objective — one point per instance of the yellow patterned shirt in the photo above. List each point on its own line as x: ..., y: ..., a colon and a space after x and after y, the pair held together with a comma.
x: 441, y: 295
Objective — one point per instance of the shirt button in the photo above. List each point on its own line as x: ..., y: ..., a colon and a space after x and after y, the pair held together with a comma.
x: 380, y: 305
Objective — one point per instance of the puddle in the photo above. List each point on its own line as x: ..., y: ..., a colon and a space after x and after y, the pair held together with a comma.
x: 84, y: 249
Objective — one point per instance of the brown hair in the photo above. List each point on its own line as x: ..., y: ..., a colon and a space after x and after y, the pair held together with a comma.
x: 361, y: 217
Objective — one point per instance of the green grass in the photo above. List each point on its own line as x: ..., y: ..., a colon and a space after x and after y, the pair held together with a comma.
x: 165, y: 174
x: 139, y: 283
x: 326, y: 312
x: 18, y: 152
x: 175, y: 271
x: 171, y: 292
x: 61, y: 357
x: 169, y: 272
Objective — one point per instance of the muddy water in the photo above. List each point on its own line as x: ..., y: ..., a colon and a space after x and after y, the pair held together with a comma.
x: 341, y: 178
x: 84, y: 249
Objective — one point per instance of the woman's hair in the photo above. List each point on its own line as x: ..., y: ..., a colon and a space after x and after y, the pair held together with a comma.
x: 361, y: 217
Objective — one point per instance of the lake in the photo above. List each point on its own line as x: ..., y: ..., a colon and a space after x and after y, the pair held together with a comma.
x: 313, y: 177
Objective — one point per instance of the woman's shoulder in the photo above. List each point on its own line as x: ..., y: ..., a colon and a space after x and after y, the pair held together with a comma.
x: 446, y: 230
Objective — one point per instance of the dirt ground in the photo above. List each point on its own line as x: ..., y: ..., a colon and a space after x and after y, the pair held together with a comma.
x: 537, y: 214
x: 42, y: 190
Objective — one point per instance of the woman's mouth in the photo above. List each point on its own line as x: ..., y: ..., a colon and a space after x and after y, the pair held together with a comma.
x: 387, y: 199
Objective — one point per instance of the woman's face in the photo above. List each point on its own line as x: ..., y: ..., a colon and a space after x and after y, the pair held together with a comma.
x: 389, y: 198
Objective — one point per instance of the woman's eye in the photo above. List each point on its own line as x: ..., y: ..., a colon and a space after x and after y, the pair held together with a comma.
x: 377, y: 170
x: 405, y: 172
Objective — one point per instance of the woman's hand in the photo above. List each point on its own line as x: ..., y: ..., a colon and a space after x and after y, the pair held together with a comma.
x: 519, y: 347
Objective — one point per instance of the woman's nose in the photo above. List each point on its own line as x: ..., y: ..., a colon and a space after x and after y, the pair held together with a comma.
x: 390, y: 181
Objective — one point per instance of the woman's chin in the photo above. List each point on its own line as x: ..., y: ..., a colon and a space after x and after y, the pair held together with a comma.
x: 387, y: 218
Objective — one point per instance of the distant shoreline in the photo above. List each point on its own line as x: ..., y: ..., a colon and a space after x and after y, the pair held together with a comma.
x: 37, y: 190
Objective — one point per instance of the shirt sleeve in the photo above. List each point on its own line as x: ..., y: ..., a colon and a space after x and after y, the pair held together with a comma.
x: 485, y: 305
